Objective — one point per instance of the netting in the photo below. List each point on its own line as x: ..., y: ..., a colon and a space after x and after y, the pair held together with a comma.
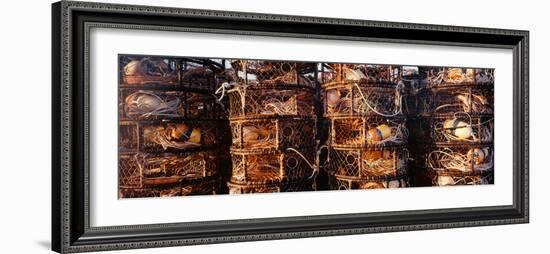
x: 366, y: 73
x: 174, y: 136
x: 268, y: 168
x: 437, y: 77
x: 372, y: 163
x: 345, y: 99
x: 286, y: 185
x: 201, y: 73
x: 276, y: 133
x: 364, y: 131
x: 194, y: 73
x: 279, y: 101
x: 188, y: 166
x: 129, y: 171
x: 141, y: 70
x: 137, y: 104
x: 206, y: 186
x: 253, y: 72
x: 341, y: 183
x: 446, y: 179
x: 128, y: 136
x: 461, y: 158
x: 462, y: 128
x: 248, y: 189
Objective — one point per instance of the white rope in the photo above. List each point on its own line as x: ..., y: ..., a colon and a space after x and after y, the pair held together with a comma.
x: 164, y: 107
x: 317, y: 165
x: 398, y: 99
x: 223, y: 87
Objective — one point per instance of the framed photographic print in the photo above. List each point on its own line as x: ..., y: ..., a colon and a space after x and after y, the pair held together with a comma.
x: 180, y: 126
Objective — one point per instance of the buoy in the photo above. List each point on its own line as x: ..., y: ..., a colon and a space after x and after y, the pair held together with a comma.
x: 333, y: 98
x: 445, y: 181
x: 378, y: 134
x: 478, y: 155
x: 133, y: 68
x: 184, y: 132
x: 458, y: 128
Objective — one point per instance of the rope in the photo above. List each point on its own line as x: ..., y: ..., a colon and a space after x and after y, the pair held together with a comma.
x: 317, y: 159
x: 398, y: 100
x: 223, y: 87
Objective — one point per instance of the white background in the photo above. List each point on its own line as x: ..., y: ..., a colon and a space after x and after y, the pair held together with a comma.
x: 108, y: 210
x: 25, y: 141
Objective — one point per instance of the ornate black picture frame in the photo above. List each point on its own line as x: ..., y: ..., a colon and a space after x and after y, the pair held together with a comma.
x: 71, y: 23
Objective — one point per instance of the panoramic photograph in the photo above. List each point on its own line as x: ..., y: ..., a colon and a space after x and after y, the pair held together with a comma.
x: 210, y: 126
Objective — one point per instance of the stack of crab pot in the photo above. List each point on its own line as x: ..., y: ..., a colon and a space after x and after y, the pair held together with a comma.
x: 170, y: 126
x: 367, y: 135
x: 273, y: 126
x: 460, y: 123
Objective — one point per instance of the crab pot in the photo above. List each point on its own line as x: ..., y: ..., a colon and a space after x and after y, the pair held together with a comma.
x: 444, y: 76
x: 461, y: 128
x: 273, y: 133
x: 138, y: 170
x: 192, y: 73
x: 358, y: 131
x: 262, y: 72
x: 270, y: 167
x: 203, y: 186
x: 155, y: 137
x: 346, y: 183
x: 446, y: 178
x: 271, y: 100
x: 150, y: 104
x: 472, y: 99
x: 461, y: 158
x: 360, y: 163
x: 201, y: 73
x: 145, y: 70
x: 128, y: 136
x: 365, y: 99
x: 286, y: 185
x: 365, y: 73
x: 129, y: 171
x: 190, y: 165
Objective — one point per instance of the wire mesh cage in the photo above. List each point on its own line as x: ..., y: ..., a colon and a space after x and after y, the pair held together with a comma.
x: 194, y: 73
x: 363, y: 73
x: 367, y: 131
x: 187, y: 166
x: 138, y: 170
x: 345, y: 99
x: 174, y: 136
x: 271, y: 167
x: 142, y: 70
x: 373, y: 163
x: 128, y: 136
x: 345, y: 183
x: 468, y: 99
x: 286, y: 185
x: 446, y: 178
x: 462, y: 128
x: 461, y: 158
x: 201, y: 73
x: 274, y: 133
x: 129, y: 171
x: 255, y: 101
x: 444, y: 76
x: 252, y: 188
x: 203, y: 186
x: 254, y: 72
x: 140, y: 104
